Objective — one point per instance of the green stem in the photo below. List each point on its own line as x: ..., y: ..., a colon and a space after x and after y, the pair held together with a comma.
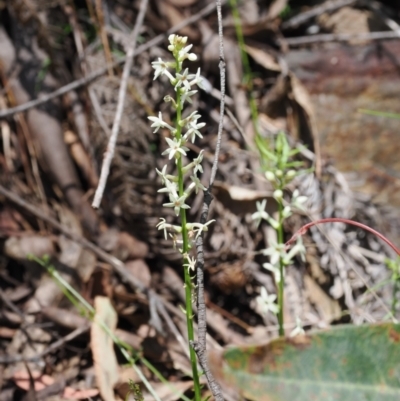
x: 248, y: 81
x: 396, y: 288
x: 185, y: 251
x: 281, y: 284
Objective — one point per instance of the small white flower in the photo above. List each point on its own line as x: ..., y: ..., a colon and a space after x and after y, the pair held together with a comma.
x: 158, y: 123
x: 175, y: 148
x: 274, y: 270
x: 298, y: 329
x: 260, y: 214
x: 171, y: 188
x: 275, y: 252
x: 299, y: 248
x: 190, y: 262
x: 198, y: 228
x: 162, y: 173
x: 183, y: 79
x: 162, y: 225
x: 184, y: 54
x: 273, y: 223
x: 193, y: 131
x: 267, y: 302
x: 197, y: 163
x: 197, y: 80
x: 177, y: 203
x: 298, y: 201
x: 190, y: 119
x: 187, y: 96
x: 161, y: 68
x: 196, y: 184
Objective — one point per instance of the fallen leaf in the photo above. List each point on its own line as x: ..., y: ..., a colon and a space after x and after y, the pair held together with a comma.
x: 105, y: 361
x: 22, y: 380
x: 276, y: 8
x: 328, y: 308
x: 261, y: 57
x: 21, y: 247
x: 74, y: 394
x: 241, y: 200
x: 343, y: 363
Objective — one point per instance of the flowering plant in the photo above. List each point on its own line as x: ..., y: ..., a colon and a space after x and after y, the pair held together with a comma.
x: 185, y: 130
x: 280, y: 171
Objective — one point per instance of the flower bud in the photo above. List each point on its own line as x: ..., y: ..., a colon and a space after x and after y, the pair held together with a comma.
x: 290, y: 174
x: 286, y: 212
x: 270, y: 176
x: 278, y: 195
x: 279, y: 173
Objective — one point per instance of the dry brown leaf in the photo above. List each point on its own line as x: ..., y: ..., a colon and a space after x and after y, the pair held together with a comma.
x: 21, y: 247
x: 73, y: 394
x: 242, y: 200
x: 263, y: 58
x: 276, y: 8
x: 81, y: 157
x: 86, y: 264
x: 122, y: 245
x: 65, y: 318
x: 169, y: 391
x: 6, y: 332
x: 328, y: 308
x: 22, y: 380
x: 140, y: 270
x: 350, y: 20
x: 174, y: 16
x: 302, y: 97
x: 105, y: 361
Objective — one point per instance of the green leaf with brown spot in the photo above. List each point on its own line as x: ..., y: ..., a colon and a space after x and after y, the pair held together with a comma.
x: 346, y: 363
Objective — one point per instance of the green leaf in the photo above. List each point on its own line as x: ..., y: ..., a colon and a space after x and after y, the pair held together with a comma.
x: 379, y: 113
x: 347, y: 363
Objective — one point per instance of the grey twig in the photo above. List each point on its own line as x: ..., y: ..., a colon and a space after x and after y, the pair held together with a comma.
x: 101, y: 71
x: 112, y: 142
x: 200, y: 346
x: 341, y: 37
x: 52, y: 347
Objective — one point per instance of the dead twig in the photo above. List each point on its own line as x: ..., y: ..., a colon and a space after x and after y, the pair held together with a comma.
x: 109, y: 154
x: 340, y: 37
x: 44, y: 98
x: 199, y: 346
x: 52, y: 347
x: 378, y: 9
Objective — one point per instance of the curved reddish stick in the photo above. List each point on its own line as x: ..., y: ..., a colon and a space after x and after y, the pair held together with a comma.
x: 304, y: 229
